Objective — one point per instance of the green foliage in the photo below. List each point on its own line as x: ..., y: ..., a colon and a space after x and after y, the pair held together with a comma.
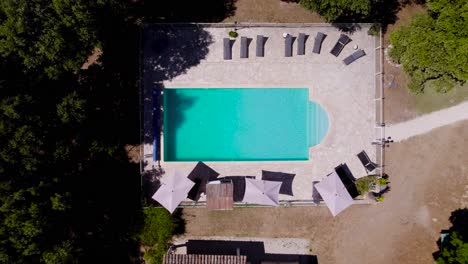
x: 383, y: 181
x: 157, y: 228
x: 433, y: 48
x: 380, y: 199
x: 71, y: 109
x: 364, y: 184
x: 156, y: 232
x: 333, y: 10
x: 455, y: 250
x: 233, y: 34
x: 155, y: 254
x: 374, y: 30
x: 62, y: 253
x: 50, y: 36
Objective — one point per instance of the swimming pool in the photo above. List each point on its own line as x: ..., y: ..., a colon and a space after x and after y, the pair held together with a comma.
x: 241, y: 124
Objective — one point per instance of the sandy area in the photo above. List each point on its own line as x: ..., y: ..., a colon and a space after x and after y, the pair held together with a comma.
x: 402, y: 229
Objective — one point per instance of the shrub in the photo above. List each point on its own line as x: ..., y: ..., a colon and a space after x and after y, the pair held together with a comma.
x: 374, y: 30
x: 364, y: 184
x: 233, y: 34
x: 380, y: 199
x: 156, y: 231
x: 383, y: 181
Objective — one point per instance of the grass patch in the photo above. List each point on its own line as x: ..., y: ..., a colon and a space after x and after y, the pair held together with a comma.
x: 431, y: 100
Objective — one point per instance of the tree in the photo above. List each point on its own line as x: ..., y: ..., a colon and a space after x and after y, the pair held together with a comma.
x: 48, y: 36
x: 454, y: 248
x: 336, y: 10
x: 155, y: 232
x: 433, y: 48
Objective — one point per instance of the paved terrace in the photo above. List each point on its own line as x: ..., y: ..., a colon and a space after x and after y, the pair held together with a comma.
x: 192, y: 56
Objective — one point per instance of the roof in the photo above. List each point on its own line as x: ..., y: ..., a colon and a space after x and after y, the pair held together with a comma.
x: 203, y: 259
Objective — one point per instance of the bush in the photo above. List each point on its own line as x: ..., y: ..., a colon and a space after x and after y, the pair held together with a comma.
x: 364, y: 184
x: 374, y: 30
x: 233, y: 34
x: 380, y: 199
x: 155, y: 231
x: 383, y: 181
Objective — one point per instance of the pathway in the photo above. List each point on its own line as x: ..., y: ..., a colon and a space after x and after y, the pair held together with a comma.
x: 426, y: 123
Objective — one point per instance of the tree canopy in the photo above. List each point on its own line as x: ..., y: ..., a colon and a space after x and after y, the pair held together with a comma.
x: 454, y: 248
x: 68, y: 193
x: 433, y: 49
x: 334, y: 10
x: 49, y: 36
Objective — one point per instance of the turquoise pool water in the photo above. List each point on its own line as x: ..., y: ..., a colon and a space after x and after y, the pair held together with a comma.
x: 237, y: 124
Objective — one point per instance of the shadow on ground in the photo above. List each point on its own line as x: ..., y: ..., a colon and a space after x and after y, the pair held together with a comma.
x: 184, y: 11
x: 254, y: 250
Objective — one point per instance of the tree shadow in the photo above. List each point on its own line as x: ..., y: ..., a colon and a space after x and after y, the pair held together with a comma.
x: 184, y: 11
x: 254, y: 250
x: 170, y: 50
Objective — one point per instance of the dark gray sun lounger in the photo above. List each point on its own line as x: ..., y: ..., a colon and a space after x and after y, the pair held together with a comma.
x: 366, y: 162
x: 301, y: 44
x: 318, y: 42
x: 260, y: 46
x: 288, y: 43
x: 356, y: 55
x: 244, y: 48
x: 340, y: 44
x: 227, y: 49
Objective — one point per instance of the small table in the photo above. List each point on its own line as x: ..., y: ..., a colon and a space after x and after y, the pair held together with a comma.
x: 219, y: 196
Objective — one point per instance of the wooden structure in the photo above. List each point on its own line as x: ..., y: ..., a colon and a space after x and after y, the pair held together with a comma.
x: 219, y: 196
x: 203, y: 259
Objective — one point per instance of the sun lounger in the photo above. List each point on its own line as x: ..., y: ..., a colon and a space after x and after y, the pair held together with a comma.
x: 301, y: 44
x: 227, y: 49
x: 356, y: 55
x: 318, y: 42
x: 244, y: 48
x: 366, y: 162
x: 340, y: 44
x: 260, y: 46
x: 288, y: 43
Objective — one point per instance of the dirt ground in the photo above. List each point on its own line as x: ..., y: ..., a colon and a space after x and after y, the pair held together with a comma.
x: 272, y: 11
x: 426, y: 187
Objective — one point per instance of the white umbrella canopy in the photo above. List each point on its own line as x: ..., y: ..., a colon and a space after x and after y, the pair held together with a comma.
x: 173, y: 190
x: 262, y: 192
x: 334, y: 193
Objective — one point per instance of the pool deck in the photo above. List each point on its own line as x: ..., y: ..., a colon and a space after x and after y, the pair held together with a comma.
x: 192, y: 56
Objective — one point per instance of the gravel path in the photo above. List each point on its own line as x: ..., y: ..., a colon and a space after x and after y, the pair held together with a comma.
x: 426, y: 123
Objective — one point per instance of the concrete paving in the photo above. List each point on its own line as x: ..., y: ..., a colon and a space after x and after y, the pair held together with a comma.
x: 426, y: 123
x: 192, y: 56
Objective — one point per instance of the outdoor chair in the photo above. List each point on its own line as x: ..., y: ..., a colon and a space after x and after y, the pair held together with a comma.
x: 260, y: 46
x: 227, y: 49
x: 318, y: 42
x: 288, y: 43
x: 244, y: 48
x: 366, y: 162
x: 340, y: 44
x: 356, y: 55
x: 301, y: 40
